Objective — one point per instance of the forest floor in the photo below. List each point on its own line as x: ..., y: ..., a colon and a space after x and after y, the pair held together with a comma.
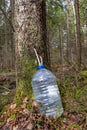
x: 73, y: 89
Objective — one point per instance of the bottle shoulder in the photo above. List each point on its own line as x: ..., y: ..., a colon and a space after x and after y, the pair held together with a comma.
x: 43, y: 74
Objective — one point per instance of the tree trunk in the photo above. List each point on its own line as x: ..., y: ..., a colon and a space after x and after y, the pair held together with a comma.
x: 30, y: 31
x: 60, y: 46
x: 45, y: 42
x: 6, y: 39
x: 75, y: 46
x: 68, y: 52
x: 12, y: 36
x: 78, y: 33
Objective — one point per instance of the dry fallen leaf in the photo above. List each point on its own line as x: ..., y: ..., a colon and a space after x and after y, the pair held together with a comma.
x: 25, y: 111
x: 12, y: 106
x: 30, y: 126
x: 34, y: 104
x: 25, y: 100
x: 15, y: 127
x: 23, y: 106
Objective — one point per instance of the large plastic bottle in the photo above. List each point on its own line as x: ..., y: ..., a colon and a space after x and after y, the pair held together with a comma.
x: 46, y: 92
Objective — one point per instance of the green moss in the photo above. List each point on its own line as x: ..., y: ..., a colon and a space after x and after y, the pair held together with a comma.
x: 29, y: 105
x: 81, y: 94
x: 12, y: 116
x: 74, y: 126
x: 37, y: 124
x: 5, y: 108
x: 24, y: 88
x: 81, y: 109
x: 2, y: 119
x: 83, y: 73
x: 74, y: 92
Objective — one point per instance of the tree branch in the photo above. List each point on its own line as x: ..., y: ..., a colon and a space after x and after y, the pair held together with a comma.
x: 7, y: 18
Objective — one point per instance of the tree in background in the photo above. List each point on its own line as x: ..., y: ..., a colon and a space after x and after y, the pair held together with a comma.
x: 71, y: 32
x: 11, y: 34
x: 78, y: 34
x: 56, y: 25
x: 6, y: 33
x: 68, y: 52
x: 6, y: 38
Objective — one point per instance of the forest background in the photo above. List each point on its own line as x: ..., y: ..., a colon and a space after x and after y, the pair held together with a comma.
x: 58, y: 31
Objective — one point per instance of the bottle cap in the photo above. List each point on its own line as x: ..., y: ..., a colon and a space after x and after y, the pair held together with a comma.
x: 40, y: 67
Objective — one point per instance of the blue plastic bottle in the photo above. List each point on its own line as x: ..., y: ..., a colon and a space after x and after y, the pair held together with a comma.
x: 46, y: 92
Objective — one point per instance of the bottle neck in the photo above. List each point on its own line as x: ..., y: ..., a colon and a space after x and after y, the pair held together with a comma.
x: 40, y: 67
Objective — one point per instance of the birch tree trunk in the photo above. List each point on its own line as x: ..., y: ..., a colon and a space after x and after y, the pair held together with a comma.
x: 30, y: 30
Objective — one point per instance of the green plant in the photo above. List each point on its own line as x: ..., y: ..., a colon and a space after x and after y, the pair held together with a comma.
x: 37, y: 124
x: 24, y: 88
x: 73, y: 126
x: 12, y: 116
